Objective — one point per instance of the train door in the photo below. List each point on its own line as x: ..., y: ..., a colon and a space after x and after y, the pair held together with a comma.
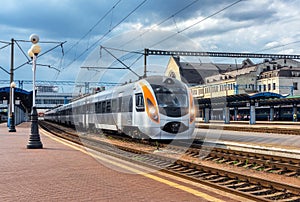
x: 119, y: 112
x: 84, y: 114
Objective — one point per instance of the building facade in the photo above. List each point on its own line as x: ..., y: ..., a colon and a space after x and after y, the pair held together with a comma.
x: 280, y: 76
x: 220, y: 82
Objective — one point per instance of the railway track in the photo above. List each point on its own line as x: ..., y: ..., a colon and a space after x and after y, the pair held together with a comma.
x: 250, y: 160
x: 245, y: 185
x: 241, y: 128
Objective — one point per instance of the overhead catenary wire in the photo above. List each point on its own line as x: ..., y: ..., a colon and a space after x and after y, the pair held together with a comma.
x: 196, y: 23
x: 279, y: 46
x: 161, y: 22
x: 103, y: 36
x: 180, y: 31
x: 28, y: 60
x: 94, y: 26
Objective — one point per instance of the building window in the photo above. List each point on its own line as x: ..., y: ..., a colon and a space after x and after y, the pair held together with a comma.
x: 295, y: 85
x: 274, y: 86
x: 259, y: 88
x: 172, y: 74
x: 265, y: 87
x: 269, y: 87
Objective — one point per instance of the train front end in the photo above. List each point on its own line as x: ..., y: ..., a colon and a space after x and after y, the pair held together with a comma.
x: 169, y: 108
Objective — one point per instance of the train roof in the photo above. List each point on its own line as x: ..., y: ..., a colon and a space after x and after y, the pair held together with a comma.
x: 121, y: 89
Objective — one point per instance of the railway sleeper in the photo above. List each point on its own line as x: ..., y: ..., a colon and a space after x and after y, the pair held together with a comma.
x: 247, y: 165
x: 208, y: 158
x: 257, y: 167
x: 268, y: 169
x: 261, y: 191
x: 211, y: 177
x: 276, y: 196
x: 240, y: 163
x: 223, y: 160
x: 180, y: 169
x: 291, y: 199
x: 202, y: 175
x: 187, y: 171
x: 194, y: 155
x: 217, y: 159
x: 219, y: 179
x: 174, y: 166
x: 195, y: 172
x: 279, y: 171
x: 290, y: 174
x: 248, y: 188
x: 230, y: 162
x: 228, y: 182
x: 239, y: 185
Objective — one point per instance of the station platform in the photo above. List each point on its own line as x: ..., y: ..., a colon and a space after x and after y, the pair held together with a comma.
x: 282, y: 127
x: 65, y: 172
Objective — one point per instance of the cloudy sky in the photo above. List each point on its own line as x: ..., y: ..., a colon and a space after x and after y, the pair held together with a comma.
x: 269, y: 26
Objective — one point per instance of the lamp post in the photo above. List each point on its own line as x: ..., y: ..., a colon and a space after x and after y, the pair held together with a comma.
x: 34, y: 139
x: 12, y: 127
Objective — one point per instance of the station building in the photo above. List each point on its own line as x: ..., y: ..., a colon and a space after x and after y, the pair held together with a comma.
x: 47, y: 97
x: 245, y: 84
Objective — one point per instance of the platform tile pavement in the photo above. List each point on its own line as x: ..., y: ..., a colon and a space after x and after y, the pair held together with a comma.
x: 60, y: 173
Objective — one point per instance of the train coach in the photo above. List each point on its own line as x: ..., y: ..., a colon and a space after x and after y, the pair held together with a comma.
x: 155, y: 107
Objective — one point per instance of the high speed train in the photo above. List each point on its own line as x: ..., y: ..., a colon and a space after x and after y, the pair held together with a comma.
x: 156, y: 107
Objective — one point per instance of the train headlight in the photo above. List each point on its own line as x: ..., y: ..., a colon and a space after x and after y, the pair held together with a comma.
x: 152, y: 111
x: 151, y: 104
x: 192, y: 109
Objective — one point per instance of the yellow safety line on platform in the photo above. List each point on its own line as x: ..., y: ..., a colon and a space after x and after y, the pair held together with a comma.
x: 153, y: 177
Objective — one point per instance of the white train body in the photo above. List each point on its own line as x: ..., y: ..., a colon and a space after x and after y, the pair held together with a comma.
x: 156, y: 107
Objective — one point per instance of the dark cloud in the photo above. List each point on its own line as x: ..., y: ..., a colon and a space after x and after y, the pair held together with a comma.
x: 70, y: 20
x: 259, y: 15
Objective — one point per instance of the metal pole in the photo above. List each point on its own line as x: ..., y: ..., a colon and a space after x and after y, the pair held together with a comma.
x: 11, y: 97
x: 145, y: 63
x: 33, y: 81
x: 34, y: 139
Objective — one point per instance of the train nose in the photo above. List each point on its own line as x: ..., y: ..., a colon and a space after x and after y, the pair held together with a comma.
x: 174, y: 127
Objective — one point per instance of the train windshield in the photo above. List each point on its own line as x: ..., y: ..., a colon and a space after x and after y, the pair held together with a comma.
x: 172, y: 101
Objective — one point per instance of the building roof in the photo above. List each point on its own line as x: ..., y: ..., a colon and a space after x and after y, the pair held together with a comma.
x: 195, y: 73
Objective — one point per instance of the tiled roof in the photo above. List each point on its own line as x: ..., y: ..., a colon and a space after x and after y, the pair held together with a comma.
x: 195, y: 73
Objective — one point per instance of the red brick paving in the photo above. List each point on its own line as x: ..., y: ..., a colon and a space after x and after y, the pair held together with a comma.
x: 60, y: 173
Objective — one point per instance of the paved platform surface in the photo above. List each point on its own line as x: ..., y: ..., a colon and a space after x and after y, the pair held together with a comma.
x: 258, y: 124
x: 62, y: 173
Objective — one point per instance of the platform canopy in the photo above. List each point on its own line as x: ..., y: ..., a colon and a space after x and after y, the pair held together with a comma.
x: 265, y: 95
x: 24, y: 96
x: 243, y: 100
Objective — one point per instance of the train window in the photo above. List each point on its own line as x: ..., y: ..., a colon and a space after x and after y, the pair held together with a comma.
x: 119, y: 104
x: 103, y: 107
x: 295, y: 85
x: 130, y: 104
x: 82, y: 109
x: 114, y: 105
x: 108, y: 107
x: 98, y: 107
x: 125, y: 104
x: 139, y: 102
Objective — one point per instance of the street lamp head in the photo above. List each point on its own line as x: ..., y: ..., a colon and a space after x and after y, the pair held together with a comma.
x: 30, y: 53
x: 34, y: 38
x: 12, y: 84
x: 36, y: 49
